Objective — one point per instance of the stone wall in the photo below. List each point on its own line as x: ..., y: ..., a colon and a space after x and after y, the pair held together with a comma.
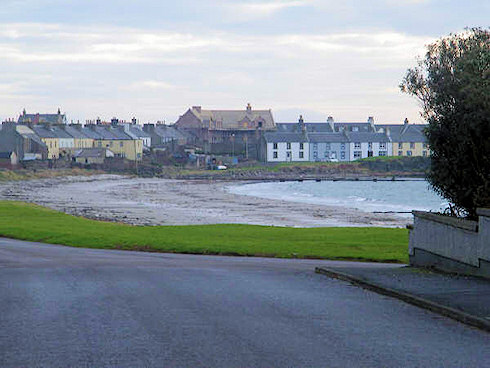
x: 451, y: 244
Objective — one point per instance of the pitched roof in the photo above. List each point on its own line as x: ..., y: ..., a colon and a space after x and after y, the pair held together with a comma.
x: 75, y: 132
x: 138, y: 131
x: 169, y: 132
x: 230, y: 119
x: 90, y: 132
x: 277, y: 137
x: 405, y: 132
x: 367, y: 137
x: 42, y: 118
x: 91, y: 152
x: 310, y: 127
x: 328, y: 138
x: 43, y: 132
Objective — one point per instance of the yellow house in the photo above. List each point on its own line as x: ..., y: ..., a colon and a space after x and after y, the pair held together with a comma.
x: 408, y: 139
x: 116, y: 140
x: 50, y: 139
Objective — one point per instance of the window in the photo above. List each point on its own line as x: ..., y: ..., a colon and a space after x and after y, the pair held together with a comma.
x: 274, y: 145
x: 333, y: 154
x: 342, y: 155
x: 400, y: 153
x: 412, y: 145
x: 301, y: 154
x: 409, y: 153
x: 357, y: 145
x: 315, y: 146
x: 357, y: 154
x: 424, y: 153
x: 370, y: 145
x: 327, y: 154
x: 355, y: 129
x: 274, y: 154
x: 400, y: 145
x: 288, y: 155
x: 342, y: 146
x: 382, y: 153
x: 327, y: 146
x: 382, y: 145
x: 301, y: 146
x: 315, y: 154
x: 288, y: 145
x: 120, y: 144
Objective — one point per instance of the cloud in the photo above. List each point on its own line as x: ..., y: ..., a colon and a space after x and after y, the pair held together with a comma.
x: 92, y: 69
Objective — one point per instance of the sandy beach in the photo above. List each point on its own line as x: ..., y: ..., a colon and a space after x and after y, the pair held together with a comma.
x: 140, y: 201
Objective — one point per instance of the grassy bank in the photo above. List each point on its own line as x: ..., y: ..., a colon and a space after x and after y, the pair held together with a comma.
x: 30, y: 222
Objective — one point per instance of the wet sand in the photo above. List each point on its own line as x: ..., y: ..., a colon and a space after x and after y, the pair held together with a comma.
x: 140, y: 201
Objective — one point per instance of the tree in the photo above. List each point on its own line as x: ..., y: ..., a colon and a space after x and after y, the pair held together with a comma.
x: 452, y: 83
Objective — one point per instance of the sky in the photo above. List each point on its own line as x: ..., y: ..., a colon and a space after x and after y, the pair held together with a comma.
x: 153, y: 59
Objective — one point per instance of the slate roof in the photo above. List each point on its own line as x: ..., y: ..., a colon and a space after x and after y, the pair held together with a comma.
x: 42, y: 132
x: 104, y: 132
x: 42, y: 118
x: 231, y: 118
x: 367, y: 137
x: 91, y: 152
x: 28, y: 133
x: 277, y: 137
x: 166, y: 131
x: 74, y: 132
x: 405, y: 132
x: 89, y: 132
x: 138, y: 131
x: 310, y: 127
x: 361, y: 126
x: 327, y: 138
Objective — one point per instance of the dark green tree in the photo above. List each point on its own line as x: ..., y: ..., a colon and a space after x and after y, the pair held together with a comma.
x: 452, y: 83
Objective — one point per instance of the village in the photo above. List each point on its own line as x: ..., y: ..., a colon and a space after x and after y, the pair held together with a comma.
x: 203, y: 138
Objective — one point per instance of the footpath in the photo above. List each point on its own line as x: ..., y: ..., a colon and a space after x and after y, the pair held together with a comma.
x: 463, y: 298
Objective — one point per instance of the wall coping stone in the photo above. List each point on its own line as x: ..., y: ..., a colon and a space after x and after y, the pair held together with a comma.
x: 447, y: 220
x: 483, y: 212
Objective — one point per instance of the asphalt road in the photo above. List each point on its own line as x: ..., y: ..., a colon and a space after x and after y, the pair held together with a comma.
x: 69, y: 307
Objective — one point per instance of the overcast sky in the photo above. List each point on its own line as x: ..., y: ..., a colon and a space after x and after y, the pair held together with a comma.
x: 155, y: 58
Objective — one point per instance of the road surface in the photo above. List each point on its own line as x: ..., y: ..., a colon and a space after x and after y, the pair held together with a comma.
x: 70, y: 307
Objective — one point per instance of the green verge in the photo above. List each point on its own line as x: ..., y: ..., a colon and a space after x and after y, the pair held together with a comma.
x: 35, y: 223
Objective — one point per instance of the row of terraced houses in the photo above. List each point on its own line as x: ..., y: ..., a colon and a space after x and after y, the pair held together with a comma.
x: 246, y: 133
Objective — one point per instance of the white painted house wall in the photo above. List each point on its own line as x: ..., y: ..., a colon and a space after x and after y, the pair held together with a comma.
x: 67, y: 142
x: 282, y: 152
x: 376, y: 147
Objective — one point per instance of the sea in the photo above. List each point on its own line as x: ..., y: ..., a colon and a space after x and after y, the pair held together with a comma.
x: 401, y: 196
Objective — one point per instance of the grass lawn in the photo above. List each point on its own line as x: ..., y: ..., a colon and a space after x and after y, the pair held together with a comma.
x: 31, y: 222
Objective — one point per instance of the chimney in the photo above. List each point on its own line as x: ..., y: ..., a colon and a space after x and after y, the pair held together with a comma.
x: 330, y: 122
x: 301, y: 124
x: 98, y: 121
x: 249, y: 108
x: 405, y: 122
x: 197, y: 108
x: 371, y: 123
x: 133, y: 120
x: 149, y: 128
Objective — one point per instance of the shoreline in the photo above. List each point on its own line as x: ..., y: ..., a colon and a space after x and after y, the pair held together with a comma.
x: 153, y: 201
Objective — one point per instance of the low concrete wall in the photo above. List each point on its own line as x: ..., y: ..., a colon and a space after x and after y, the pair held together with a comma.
x: 450, y: 244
